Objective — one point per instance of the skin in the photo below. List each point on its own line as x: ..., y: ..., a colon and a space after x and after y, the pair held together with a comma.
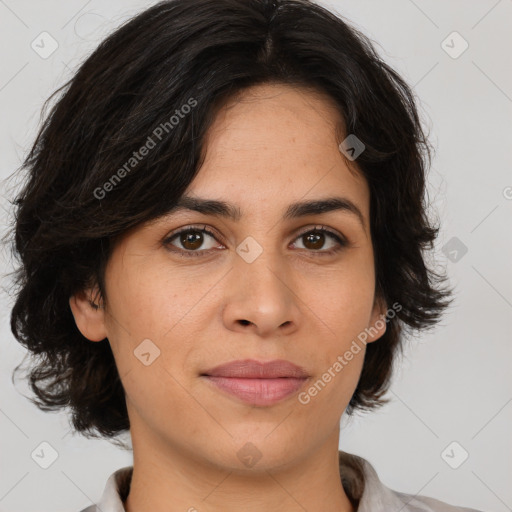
x: 273, y: 146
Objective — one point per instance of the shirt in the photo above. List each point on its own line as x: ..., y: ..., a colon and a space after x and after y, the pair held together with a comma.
x: 358, y: 477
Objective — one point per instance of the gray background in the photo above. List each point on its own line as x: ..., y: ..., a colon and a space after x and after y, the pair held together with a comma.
x: 454, y: 383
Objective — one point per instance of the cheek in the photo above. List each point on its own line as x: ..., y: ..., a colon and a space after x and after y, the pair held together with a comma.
x: 342, y: 313
x: 161, y: 403
x: 148, y: 300
x: 155, y: 331
x: 343, y: 303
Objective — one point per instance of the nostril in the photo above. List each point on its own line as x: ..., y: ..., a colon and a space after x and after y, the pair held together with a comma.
x: 245, y: 322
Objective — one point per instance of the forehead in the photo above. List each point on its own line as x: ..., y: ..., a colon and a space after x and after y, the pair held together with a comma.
x: 271, y: 156
x: 275, y: 113
x: 275, y: 144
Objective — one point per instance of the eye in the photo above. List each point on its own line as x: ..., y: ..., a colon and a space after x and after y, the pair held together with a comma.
x: 191, y: 239
x: 315, y: 239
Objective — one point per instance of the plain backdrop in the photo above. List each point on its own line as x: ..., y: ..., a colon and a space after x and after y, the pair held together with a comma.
x: 452, y: 395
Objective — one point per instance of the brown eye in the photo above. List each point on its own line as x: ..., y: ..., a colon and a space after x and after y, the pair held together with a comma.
x: 191, y: 241
x: 315, y: 239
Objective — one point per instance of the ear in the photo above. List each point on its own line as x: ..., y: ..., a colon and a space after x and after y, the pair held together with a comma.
x: 377, y: 326
x: 89, y: 319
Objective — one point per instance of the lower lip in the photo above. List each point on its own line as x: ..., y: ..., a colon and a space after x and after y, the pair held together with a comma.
x: 258, y: 391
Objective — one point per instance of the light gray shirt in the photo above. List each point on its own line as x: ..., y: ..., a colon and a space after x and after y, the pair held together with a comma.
x: 358, y: 477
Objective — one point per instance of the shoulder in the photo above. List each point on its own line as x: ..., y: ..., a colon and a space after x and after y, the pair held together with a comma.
x: 115, y: 492
x: 415, y: 503
x: 363, y: 484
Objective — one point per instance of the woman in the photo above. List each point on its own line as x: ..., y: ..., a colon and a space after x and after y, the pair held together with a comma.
x: 221, y: 242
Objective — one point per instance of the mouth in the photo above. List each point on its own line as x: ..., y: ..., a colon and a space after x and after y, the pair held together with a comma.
x: 257, y: 383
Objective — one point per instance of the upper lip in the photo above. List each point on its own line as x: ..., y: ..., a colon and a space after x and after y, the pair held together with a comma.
x: 252, y: 369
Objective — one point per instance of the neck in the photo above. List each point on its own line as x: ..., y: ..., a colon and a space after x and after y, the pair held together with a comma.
x: 168, y: 478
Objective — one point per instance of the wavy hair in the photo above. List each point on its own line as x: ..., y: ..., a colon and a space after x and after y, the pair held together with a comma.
x: 141, y: 75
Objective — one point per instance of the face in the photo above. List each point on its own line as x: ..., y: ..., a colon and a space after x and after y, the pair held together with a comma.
x: 265, y: 286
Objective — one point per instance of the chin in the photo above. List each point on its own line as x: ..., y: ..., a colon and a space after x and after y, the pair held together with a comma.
x: 255, y: 454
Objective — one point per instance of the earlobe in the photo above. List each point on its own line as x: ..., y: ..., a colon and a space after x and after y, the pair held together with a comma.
x: 89, y: 315
x: 377, y: 326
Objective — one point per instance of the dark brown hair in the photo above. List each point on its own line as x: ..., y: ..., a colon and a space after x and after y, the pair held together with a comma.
x: 72, y: 208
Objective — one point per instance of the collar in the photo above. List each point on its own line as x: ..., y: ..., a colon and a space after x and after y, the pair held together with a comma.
x: 358, y: 477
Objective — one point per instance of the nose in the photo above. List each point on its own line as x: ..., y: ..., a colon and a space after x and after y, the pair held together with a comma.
x: 262, y: 297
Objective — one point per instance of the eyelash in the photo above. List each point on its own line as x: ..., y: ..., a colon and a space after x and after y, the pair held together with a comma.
x: 342, y: 243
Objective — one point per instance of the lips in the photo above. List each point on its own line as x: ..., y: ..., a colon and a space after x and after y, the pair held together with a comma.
x: 251, y: 369
x: 257, y: 383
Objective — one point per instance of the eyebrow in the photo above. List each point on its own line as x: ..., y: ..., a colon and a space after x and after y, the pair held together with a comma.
x: 223, y: 209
